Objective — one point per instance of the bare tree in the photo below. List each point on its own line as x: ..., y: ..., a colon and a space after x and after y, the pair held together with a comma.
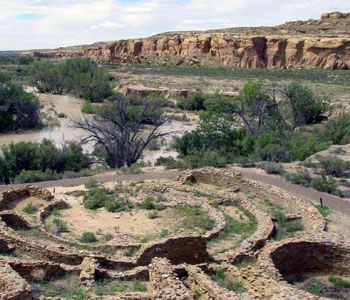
x: 122, y: 131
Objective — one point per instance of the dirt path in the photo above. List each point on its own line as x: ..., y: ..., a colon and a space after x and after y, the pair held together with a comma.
x: 102, y: 178
x: 331, y: 201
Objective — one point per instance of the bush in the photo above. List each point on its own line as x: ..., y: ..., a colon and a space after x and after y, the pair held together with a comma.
x: 88, y: 237
x: 302, y: 145
x: 58, y: 226
x: 19, y: 109
x: 40, y: 161
x: 36, y: 176
x: 206, y: 158
x: 333, y: 166
x: 91, y: 183
x: 325, y: 184
x: 117, y: 204
x: 305, y: 106
x: 79, y: 76
x: 337, y: 130
x: 167, y: 162
x: 96, y: 198
x: 301, y: 178
x: 148, y: 203
x: 195, y: 102
x: 273, y: 168
x: 89, y: 108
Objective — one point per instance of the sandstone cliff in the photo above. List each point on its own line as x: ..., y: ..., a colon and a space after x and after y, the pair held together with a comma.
x: 323, y: 43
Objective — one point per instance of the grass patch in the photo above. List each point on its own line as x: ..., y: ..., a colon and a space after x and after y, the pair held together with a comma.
x: 67, y: 287
x: 316, y: 287
x: 329, y: 77
x: 108, y: 287
x: 193, y: 217
x: 30, y: 209
x: 284, y: 227
x: 221, y: 277
x: 234, y: 227
x: 325, y: 211
x: 339, y: 282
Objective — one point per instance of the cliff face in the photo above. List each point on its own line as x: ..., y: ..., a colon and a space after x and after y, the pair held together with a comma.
x: 321, y: 43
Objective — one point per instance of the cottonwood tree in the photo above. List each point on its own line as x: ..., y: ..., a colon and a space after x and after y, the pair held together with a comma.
x: 121, y: 130
x: 306, y: 107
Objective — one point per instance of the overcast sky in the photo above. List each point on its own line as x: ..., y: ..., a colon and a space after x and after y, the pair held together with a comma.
x: 33, y: 24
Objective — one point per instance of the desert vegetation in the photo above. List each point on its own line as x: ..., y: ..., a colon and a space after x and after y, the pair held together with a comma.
x: 28, y: 162
x: 79, y: 76
x: 18, y: 109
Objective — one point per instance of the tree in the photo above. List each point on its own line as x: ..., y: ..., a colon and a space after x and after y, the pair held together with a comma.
x: 118, y: 129
x: 79, y: 76
x: 305, y: 106
x: 18, y: 109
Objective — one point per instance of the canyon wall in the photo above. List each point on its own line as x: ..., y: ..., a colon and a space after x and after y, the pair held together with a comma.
x: 323, y: 43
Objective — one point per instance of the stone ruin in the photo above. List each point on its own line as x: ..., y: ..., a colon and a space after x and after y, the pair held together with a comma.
x: 176, y: 267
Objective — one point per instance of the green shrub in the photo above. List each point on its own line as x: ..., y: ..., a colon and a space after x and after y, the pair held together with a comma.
x: 96, y: 198
x: 40, y: 161
x: 88, y: 237
x: 325, y: 184
x: 337, y: 130
x: 305, y: 106
x: 30, y: 209
x: 333, y: 166
x: 196, y: 102
x: 117, y: 204
x: 89, y: 108
x: 79, y: 76
x: 301, y: 178
x: 91, y: 183
x: 36, y: 176
x: 167, y: 162
x: 273, y: 168
x: 148, y: 203
x: 202, y: 159
x: 19, y: 109
x: 58, y: 226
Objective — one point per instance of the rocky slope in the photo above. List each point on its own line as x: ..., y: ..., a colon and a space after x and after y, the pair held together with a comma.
x: 323, y: 43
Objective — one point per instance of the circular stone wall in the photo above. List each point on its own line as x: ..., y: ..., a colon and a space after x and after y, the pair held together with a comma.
x: 299, y: 260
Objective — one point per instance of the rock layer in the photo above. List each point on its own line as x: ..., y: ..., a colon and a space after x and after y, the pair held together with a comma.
x: 323, y: 43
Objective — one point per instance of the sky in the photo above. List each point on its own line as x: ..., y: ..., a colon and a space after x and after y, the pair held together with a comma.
x: 41, y: 24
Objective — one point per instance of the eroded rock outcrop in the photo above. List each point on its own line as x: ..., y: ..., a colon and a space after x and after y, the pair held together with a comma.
x: 323, y: 43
